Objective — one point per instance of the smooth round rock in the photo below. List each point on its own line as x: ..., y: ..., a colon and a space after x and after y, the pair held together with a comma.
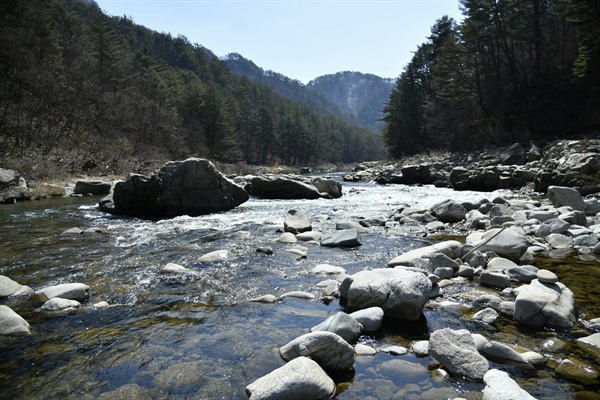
x: 546, y: 276
x: 301, y: 378
x: 363, y: 350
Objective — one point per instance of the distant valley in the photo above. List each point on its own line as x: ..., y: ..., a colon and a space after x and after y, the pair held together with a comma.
x: 353, y: 96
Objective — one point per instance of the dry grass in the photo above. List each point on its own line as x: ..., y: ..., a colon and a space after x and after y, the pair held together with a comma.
x: 46, y: 190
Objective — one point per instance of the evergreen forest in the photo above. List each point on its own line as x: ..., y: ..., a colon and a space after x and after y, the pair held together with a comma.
x: 77, y: 83
x: 511, y: 71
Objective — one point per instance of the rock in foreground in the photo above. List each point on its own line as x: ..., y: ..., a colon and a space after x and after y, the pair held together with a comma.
x: 500, y: 386
x: 456, y: 351
x: 545, y: 305
x: 191, y: 187
x: 328, y: 349
x: 300, y: 379
x: 400, y: 293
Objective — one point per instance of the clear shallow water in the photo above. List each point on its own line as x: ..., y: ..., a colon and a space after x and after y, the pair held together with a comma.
x: 195, y: 336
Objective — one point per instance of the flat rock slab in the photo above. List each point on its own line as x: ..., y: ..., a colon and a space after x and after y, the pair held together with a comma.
x: 301, y: 378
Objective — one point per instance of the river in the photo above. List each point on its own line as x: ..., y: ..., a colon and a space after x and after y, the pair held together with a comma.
x: 196, y: 336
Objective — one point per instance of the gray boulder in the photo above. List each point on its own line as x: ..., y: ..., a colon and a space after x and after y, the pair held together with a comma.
x: 94, y: 187
x: 60, y: 304
x: 509, y: 243
x: 513, y: 154
x: 487, y: 315
x: 300, y: 379
x: 522, y: 273
x: 296, y: 222
x: 494, y: 279
x: 545, y: 305
x: 12, y: 186
x: 370, y: 318
x: 341, y: 238
x: 456, y: 351
x: 329, y: 350
x: 500, y: 386
x: 553, y: 225
x: 8, y: 287
x: 341, y: 324
x: 450, y: 248
x: 11, y: 323
x: 400, y: 293
x: 283, y: 187
x: 565, y: 196
x: 449, y: 211
x: 191, y: 187
x: 500, y: 352
x: 329, y: 186
x: 340, y: 226
x: 591, y: 344
x: 72, y: 291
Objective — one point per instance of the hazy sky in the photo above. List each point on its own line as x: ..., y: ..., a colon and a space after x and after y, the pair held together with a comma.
x: 302, y: 39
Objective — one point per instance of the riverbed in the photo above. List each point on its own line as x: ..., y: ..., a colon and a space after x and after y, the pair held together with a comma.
x: 197, y: 336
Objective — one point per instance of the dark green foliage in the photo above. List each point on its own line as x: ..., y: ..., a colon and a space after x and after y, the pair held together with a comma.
x: 512, y: 71
x: 75, y: 79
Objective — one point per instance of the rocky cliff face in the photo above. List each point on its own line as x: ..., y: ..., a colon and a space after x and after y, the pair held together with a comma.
x: 362, y: 95
x: 353, y: 96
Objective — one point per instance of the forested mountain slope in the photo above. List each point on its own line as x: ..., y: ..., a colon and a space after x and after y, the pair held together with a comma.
x: 510, y: 71
x: 355, y: 97
x: 75, y: 81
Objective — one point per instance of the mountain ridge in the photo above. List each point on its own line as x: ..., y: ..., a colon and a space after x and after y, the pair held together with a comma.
x: 356, y: 97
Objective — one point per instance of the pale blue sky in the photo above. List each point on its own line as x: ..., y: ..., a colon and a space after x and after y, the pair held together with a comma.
x: 302, y: 39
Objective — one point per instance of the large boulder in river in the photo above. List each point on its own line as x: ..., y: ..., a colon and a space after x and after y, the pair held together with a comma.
x: 299, y: 379
x: 94, y: 187
x: 506, y: 243
x: 341, y: 238
x: 545, y: 305
x: 12, y: 186
x: 283, y: 187
x: 327, y: 348
x: 565, y: 196
x: 456, y: 351
x: 296, y: 222
x: 329, y: 186
x: 191, y: 187
x: 449, y: 211
x: 399, y: 292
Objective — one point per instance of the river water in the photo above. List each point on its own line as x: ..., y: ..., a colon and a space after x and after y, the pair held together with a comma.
x: 196, y: 336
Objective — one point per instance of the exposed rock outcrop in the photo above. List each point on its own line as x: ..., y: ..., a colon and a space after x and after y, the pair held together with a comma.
x: 191, y: 187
